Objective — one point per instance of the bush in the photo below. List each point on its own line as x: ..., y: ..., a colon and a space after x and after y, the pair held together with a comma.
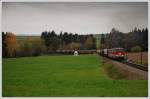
x: 32, y: 47
x: 11, y: 45
x: 74, y: 46
x: 136, y: 49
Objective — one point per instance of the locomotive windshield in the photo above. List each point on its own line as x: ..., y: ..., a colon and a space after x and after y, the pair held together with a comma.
x: 119, y: 50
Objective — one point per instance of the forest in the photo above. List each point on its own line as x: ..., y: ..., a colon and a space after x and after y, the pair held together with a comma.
x: 49, y: 42
x: 134, y: 40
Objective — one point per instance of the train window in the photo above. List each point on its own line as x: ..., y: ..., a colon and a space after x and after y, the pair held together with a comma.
x: 119, y: 49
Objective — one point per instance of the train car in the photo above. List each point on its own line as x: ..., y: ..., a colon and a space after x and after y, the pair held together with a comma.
x: 114, y: 53
x: 117, y: 53
x: 105, y: 52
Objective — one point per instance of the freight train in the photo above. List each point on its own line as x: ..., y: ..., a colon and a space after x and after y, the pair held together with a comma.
x: 114, y: 53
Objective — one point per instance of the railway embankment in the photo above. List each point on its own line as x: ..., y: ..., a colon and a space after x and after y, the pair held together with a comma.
x: 117, y: 70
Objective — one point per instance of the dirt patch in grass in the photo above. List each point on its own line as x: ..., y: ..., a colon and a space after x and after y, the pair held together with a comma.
x: 117, y: 70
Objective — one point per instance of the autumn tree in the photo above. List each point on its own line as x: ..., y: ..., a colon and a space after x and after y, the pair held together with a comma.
x: 4, y: 52
x: 34, y: 46
x: 72, y: 46
x: 11, y: 44
x: 54, y: 44
x: 89, y: 42
x: 38, y: 46
x: 28, y: 46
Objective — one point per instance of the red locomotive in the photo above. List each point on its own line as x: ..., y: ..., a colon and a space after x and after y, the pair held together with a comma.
x: 114, y: 53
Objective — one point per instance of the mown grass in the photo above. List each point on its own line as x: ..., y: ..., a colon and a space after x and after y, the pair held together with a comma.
x: 64, y: 76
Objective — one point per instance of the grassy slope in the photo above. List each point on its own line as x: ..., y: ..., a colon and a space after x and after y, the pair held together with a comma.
x: 64, y: 76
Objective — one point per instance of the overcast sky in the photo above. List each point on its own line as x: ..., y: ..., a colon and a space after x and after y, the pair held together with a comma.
x: 31, y: 18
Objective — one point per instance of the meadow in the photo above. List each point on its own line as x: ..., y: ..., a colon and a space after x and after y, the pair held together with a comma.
x: 64, y: 75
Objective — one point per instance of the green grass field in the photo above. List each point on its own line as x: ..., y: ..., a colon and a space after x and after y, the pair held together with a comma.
x: 81, y: 75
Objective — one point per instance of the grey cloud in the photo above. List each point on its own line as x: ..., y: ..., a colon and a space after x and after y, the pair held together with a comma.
x: 76, y: 17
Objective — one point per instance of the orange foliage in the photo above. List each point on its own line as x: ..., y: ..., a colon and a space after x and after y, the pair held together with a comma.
x: 11, y: 44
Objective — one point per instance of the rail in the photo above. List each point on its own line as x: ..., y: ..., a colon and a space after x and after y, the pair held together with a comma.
x: 138, y: 66
x: 141, y: 67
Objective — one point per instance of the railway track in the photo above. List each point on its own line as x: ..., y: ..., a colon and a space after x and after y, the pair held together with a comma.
x: 141, y: 67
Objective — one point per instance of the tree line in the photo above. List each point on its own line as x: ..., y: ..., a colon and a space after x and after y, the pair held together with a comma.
x: 48, y: 43
x: 68, y: 41
x: 136, y: 39
x: 11, y: 47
